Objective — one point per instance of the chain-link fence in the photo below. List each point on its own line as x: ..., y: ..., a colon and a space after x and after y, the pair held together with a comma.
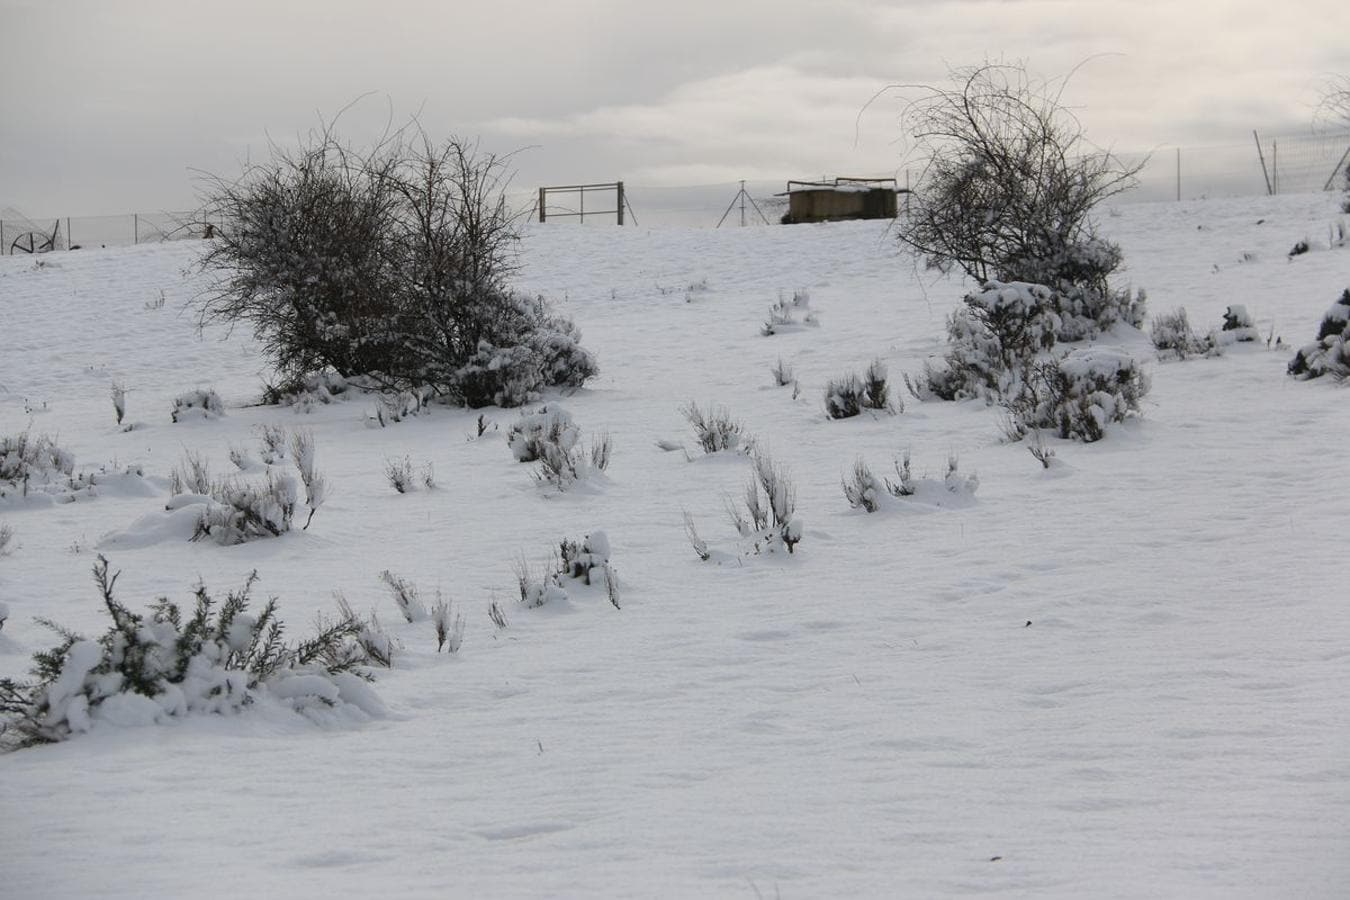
x: 1267, y: 164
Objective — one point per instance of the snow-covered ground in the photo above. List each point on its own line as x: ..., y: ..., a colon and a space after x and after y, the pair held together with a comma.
x: 1123, y: 676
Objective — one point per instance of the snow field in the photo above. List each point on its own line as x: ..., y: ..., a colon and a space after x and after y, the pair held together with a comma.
x: 869, y: 716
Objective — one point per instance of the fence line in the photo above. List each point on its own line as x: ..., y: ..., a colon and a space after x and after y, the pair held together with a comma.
x: 1272, y: 163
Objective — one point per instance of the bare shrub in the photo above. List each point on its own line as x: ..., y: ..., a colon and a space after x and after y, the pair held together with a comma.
x: 192, y: 476
x: 316, y: 486
x: 782, y: 373
x: 389, y: 262
x: 1007, y: 188
x: 405, y: 596
x: 399, y: 474
x: 715, y: 429
x: 862, y: 490
x: 1174, y: 338
x: 449, y: 624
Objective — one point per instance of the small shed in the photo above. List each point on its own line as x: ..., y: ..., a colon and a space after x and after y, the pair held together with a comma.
x: 840, y: 199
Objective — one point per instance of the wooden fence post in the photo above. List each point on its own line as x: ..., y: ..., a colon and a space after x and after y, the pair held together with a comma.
x: 542, y: 193
x: 620, y: 204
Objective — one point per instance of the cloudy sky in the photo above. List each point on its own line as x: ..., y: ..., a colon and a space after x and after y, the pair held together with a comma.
x: 107, y: 106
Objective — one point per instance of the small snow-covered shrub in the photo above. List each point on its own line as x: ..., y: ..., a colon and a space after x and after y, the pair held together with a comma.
x: 782, y: 373
x: 849, y: 395
x: 691, y: 532
x: 1174, y: 338
x: 1330, y: 353
x: 715, y: 429
x: 601, y: 450
x: 6, y: 536
x: 1000, y: 328
x: 406, y: 598
x: 784, y: 314
x: 862, y: 490
x: 588, y: 559
x: 497, y: 615
x: 191, y: 476
x: 304, y: 392
x: 239, y: 511
x: 549, y: 425
x: 1039, y: 451
x: 316, y: 485
x: 953, y: 486
x: 197, y: 404
x: 172, y: 661
x: 449, y: 624
x: 538, y: 589
x: 1080, y: 394
x: 119, y: 400
x: 844, y: 396
x: 399, y: 474
x: 395, y: 406
x: 4, y: 615
x: 1238, y: 324
x: 28, y: 463
x: 770, y: 503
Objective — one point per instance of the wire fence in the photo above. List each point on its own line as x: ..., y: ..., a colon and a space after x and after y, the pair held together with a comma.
x: 1268, y: 164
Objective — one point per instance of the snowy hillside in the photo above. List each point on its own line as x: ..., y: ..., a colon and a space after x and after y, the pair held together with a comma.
x: 1121, y: 676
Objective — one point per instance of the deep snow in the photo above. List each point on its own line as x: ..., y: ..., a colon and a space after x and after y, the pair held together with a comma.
x: 1122, y: 676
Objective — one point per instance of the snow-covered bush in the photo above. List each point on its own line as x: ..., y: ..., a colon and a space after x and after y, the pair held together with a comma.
x: 844, y: 396
x: 4, y: 614
x: 548, y: 425
x: 849, y: 395
x: 1079, y: 394
x: 6, y: 537
x: 782, y: 373
x: 237, y: 510
x: 1330, y: 353
x: 953, y: 486
x: 406, y: 598
x: 1008, y: 186
x: 449, y: 624
x: 399, y: 474
x: 587, y: 560
x: 715, y: 429
x: 790, y: 314
x: 770, y: 503
x: 862, y: 490
x: 171, y: 661
x: 304, y: 392
x: 316, y: 485
x: 538, y: 589
x: 389, y: 263
x: 28, y: 463
x: 395, y: 406
x: 192, y: 476
x: 1238, y: 325
x: 197, y: 404
x: 549, y: 436
x: 1174, y: 338
x: 998, y: 331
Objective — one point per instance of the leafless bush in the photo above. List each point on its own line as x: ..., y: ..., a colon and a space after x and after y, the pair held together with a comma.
x: 316, y: 486
x: 691, y: 532
x: 715, y: 429
x: 405, y: 596
x: 389, y: 262
x: 192, y: 476
x: 6, y: 536
x: 601, y: 448
x: 449, y: 624
x: 399, y: 474
x: 862, y: 490
x: 782, y: 373
x: 497, y: 616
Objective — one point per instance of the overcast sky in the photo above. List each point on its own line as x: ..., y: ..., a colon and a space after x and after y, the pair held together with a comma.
x: 107, y: 105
